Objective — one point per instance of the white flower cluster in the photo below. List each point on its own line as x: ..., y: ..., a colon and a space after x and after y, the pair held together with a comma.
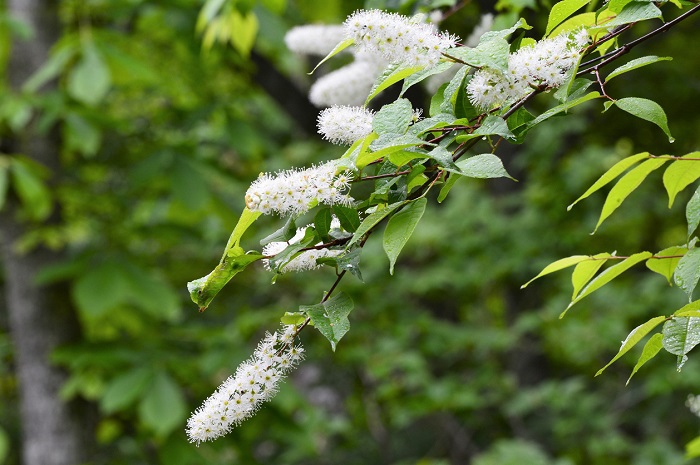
x: 545, y: 63
x: 397, y: 38
x: 256, y: 381
x: 314, y: 39
x: 306, y: 260
x: 693, y: 404
x: 293, y: 191
x: 344, y: 125
x: 350, y: 84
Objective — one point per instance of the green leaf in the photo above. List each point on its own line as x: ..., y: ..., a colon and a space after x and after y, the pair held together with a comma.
x: 443, y: 157
x: 691, y: 309
x: 692, y: 449
x: 393, y: 118
x: 372, y: 220
x: 336, y: 50
x: 389, y: 143
x: 80, y: 135
x: 651, y: 348
x: 246, y: 219
x: 561, y: 11
x: 163, y: 408
x: 492, y: 52
x: 423, y: 74
x: 30, y: 188
x: 53, y: 67
x: 4, y: 445
x: 244, y: 28
x: 101, y: 289
x: 616, y: 170
x: 349, y: 219
x: 293, y: 318
x: 634, y: 64
x: 608, y: 275
x: 393, y: 74
x: 349, y: 261
x: 687, y: 272
x: 647, y: 110
x: 634, y: 12
x: 563, y: 108
x: 666, y: 266
x: 494, y: 125
x: 451, y: 92
x: 123, y: 390
x: 558, y: 265
x: 331, y: 317
x: 633, y: 338
x: 283, y: 234
x: 90, y: 80
x: 692, y: 212
x: 482, y: 166
x: 322, y: 223
x: 680, y: 336
x: 585, y: 271
x: 624, y: 187
x: 680, y: 174
x: 400, y: 228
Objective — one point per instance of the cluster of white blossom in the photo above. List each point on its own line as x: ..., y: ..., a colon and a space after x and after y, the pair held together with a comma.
x: 693, y: 404
x: 314, y: 39
x: 306, y: 260
x: 399, y: 39
x: 545, y: 63
x: 350, y: 84
x: 256, y: 381
x: 344, y: 125
x: 293, y: 191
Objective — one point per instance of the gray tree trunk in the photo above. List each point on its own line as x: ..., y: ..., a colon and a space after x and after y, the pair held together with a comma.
x: 40, y: 317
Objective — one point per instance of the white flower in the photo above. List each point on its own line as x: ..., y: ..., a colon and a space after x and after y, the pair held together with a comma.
x: 314, y: 39
x: 693, y: 404
x: 398, y: 38
x: 343, y: 125
x: 349, y: 85
x: 292, y: 191
x: 306, y: 260
x: 239, y: 397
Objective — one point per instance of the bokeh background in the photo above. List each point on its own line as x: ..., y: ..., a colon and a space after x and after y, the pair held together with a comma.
x: 126, y: 147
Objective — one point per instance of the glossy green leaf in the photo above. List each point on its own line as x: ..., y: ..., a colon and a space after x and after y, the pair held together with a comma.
x: 494, y: 125
x: 336, y: 50
x: 634, y: 12
x: 293, y: 318
x: 666, y: 266
x: 633, y: 338
x: 90, y: 80
x: 331, y: 317
x: 585, y: 271
x: 634, y: 64
x: 624, y: 187
x: 558, y: 265
x: 283, y: 234
x: 163, y: 407
x: 322, y: 223
x: 680, y: 175
x: 400, y: 228
x: 423, y: 74
x: 372, y: 220
x: 491, y: 52
x: 482, y: 166
x: 390, y: 76
x: 690, y: 309
x: 692, y: 212
x: 246, y: 219
x: 349, y: 219
x: 563, y: 108
x: 561, y: 11
x: 687, y: 272
x: 125, y: 389
x: 681, y: 334
x: 393, y: 118
x: 393, y: 145
x: 447, y: 187
x: 647, y: 110
x: 616, y: 170
x: 651, y: 348
x: 348, y: 261
x: 449, y: 93
x: 608, y: 275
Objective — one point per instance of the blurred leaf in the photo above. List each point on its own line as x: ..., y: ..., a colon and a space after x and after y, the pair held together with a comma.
x: 562, y: 10
x: 692, y: 449
x: 687, y: 272
x: 163, y: 407
x: 100, y: 289
x: 30, y: 188
x: 633, y: 338
x: 680, y: 336
x: 400, y: 228
x: 651, y: 348
x: 680, y: 174
x: 665, y: 267
x: 4, y: 445
x: 4, y: 180
x: 81, y: 135
x: 635, y: 64
x: 123, y: 390
x: 244, y: 29
x: 331, y: 317
x: 647, y: 110
x: 59, y: 58
x: 90, y: 80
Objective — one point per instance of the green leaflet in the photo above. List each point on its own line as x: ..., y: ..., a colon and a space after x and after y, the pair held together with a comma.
x: 349, y: 219
x: 163, y: 406
x: 680, y: 335
x: 692, y: 449
x: 331, y: 317
x: 420, y: 75
x: 651, y: 348
x: 125, y: 389
x: 447, y: 187
x: 395, y: 144
x: 563, y: 108
x: 338, y: 48
x: 400, y: 228
x: 633, y: 338
x: 616, y: 170
x: 687, y: 272
x: 492, y: 52
x: 585, y: 271
x: 392, y: 75
x: 558, y: 265
x: 393, y: 118
x: 666, y: 266
x: 634, y: 12
x: 680, y: 174
x: 30, y: 188
x: 634, y: 64
x: 608, y: 275
x: 562, y: 10
x: 322, y: 223
x: 647, y: 110
x: 90, y: 80
x: 692, y: 212
x: 481, y: 166
x: 624, y: 187
x: 372, y: 220
x: 691, y: 309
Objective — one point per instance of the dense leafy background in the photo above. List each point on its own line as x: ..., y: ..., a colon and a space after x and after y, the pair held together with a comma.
x: 447, y: 361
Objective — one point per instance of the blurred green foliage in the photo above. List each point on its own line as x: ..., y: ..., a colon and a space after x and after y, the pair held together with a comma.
x: 446, y: 362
